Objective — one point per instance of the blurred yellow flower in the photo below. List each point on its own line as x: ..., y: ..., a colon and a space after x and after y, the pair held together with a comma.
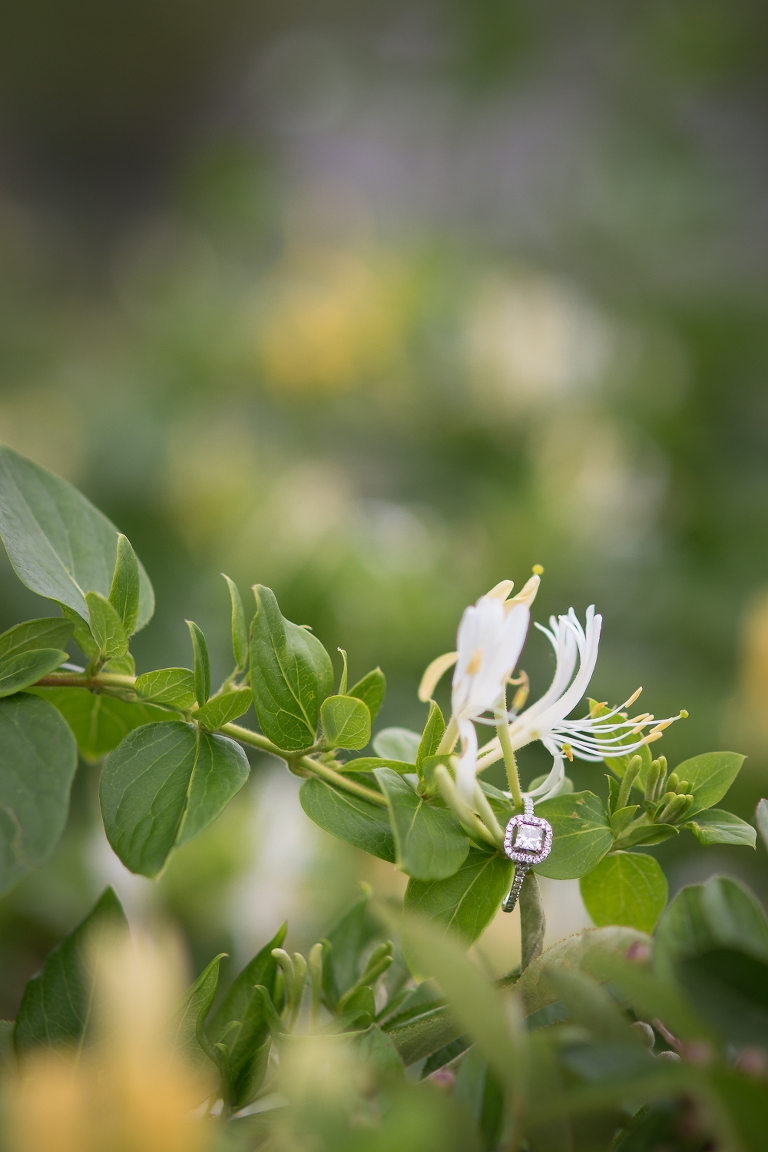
x: 333, y: 320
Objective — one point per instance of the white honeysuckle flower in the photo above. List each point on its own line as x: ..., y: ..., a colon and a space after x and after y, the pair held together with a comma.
x: 489, y: 641
x: 589, y: 738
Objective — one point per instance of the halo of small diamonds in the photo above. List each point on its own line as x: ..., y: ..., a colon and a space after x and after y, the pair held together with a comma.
x: 522, y: 855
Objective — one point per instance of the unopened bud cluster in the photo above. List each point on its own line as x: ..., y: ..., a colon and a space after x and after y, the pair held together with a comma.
x: 669, y: 796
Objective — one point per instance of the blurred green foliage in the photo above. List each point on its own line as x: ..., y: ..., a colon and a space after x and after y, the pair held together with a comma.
x: 378, y: 305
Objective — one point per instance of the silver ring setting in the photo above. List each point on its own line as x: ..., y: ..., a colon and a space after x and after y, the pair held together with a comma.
x: 527, y: 841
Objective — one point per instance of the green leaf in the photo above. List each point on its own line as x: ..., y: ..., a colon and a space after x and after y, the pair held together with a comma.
x: 239, y: 629
x: 124, y: 665
x: 191, y: 1010
x: 22, y: 670
x: 718, y: 827
x: 761, y: 819
x: 57, y: 1003
x: 587, y: 1004
x: 349, y: 817
x: 710, y: 776
x: 106, y: 626
x: 346, y: 722
x: 38, y: 758
x: 476, y: 1006
x: 371, y: 690
x: 648, y: 834
x: 581, y: 834
x: 50, y: 632
x: 126, y: 585
x: 397, y: 744
x: 369, y: 763
x: 468, y: 900
x: 379, y: 1053
x: 60, y: 546
x: 99, y: 723
x: 223, y: 708
x: 425, y: 1034
x: 291, y: 675
x: 722, y: 912
x: 81, y: 633
x: 167, y: 686
x: 576, y: 952
x: 729, y: 989
x: 627, y: 888
x: 241, y: 1023
x: 344, y: 947
x: 202, y: 663
x: 429, y: 842
x: 263, y: 970
x: 162, y: 786
x: 432, y: 734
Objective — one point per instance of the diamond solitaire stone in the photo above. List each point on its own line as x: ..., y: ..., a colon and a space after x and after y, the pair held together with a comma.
x: 529, y: 837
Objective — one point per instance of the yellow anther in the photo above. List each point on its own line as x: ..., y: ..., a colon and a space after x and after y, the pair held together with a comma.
x: 653, y: 736
x: 568, y: 751
x: 633, y: 697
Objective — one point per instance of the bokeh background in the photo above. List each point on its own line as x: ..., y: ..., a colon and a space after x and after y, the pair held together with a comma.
x: 378, y: 304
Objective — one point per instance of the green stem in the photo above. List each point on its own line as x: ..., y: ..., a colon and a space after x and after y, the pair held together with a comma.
x: 244, y: 735
x: 511, y: 764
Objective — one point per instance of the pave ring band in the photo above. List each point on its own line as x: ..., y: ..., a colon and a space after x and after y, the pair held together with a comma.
x: 527, y: 841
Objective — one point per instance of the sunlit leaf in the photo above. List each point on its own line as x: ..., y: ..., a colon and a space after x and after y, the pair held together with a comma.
x: 60, y: 546
x: 626, y: 888
x: 291, y: 675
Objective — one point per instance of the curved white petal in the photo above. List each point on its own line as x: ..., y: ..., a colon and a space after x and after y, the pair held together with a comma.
x: 466, y: 773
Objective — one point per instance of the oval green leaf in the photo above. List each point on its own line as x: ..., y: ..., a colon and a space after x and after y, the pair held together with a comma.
x: 106, y: 626
x: 50, y: 632
x: 126, y: 585
x: 346, y: 722
x: 371, y: 690
x: 38, y: 757
x: 429, y: 842
x: 710, y: 776
x: 581, y: 834
x: 714, y: 826
x: 350, y: 818
x: 60, y: 546
x: 468, y: 900
x: 22, y: 670
x: 99, y: 723
x: 628, y: 889
x: 202, y: 663
x: 162, y: 786
x: 368, y: 763
x: 397, y: 744
x: 167, y: 686
x: 225, y: 707
x: 722, y: 912
x: 291, y: 675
